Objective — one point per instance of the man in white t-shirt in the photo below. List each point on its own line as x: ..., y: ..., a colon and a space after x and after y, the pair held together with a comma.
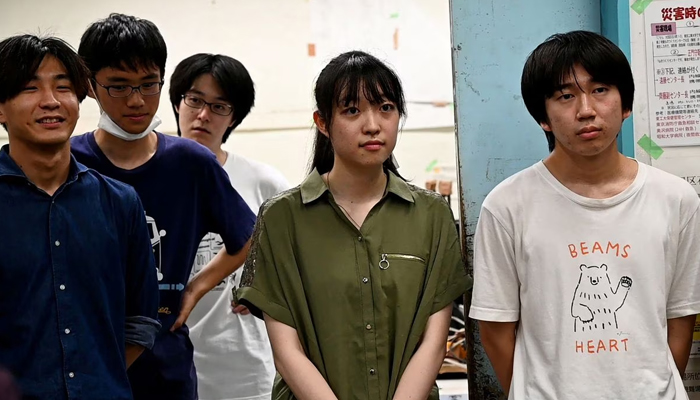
x: 211, y: 95
x: 586, y: 264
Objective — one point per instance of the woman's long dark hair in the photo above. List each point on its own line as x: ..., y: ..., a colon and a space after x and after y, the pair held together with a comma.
x: 340, y: 83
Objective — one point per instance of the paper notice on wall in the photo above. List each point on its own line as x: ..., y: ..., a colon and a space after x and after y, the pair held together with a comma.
x: 691, y: 381
x: 695, y: 348
x: 685, y: 165
x: 691, y: 378
x: 673, y: 65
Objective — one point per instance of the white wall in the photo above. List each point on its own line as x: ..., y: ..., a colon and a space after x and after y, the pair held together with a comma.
x: 271, y: 38
x: 290, y: 152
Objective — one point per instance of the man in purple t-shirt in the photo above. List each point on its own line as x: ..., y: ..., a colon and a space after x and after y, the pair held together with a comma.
x: 184, y: 191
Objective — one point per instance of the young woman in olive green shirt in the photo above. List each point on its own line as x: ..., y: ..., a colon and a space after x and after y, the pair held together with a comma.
x: 355, y: 271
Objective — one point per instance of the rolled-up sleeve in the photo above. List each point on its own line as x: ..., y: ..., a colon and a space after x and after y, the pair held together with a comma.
x: 141, y: 331
x: 141, y: 320
x: 496, y: 296
x: 448, y: 262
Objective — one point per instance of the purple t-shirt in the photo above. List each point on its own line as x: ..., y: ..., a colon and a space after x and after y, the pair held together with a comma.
x: 185, y: 194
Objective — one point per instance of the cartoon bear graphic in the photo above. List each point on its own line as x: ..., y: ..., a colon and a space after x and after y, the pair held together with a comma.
x: 596, y: 302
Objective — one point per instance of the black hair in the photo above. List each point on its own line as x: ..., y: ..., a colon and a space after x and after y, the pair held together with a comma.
x: 123, y: 42
x: 340, y: 83
x: 229, y: 73
x: 21, y: 56
x: 554, y: 60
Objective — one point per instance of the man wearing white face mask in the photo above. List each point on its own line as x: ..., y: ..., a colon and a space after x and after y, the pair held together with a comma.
x: 184, y: 190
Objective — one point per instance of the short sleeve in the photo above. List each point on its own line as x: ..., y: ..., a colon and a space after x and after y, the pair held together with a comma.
x: 496, y: 295
x: 228, y: 214
x: 684, y: 293
x: 261, y: 288
x: 448, y: 261
x: 141, y: 281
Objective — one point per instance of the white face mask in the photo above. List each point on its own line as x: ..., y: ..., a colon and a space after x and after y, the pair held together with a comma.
x: 109, y: 126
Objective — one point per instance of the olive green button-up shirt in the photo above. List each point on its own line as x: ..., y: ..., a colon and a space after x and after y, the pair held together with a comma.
x: 359, y: 299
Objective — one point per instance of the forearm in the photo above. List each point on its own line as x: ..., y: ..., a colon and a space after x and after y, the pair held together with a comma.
x: 218, y: 269
x: 302, y: 376
x: 419, y: 377
x: 680, y: 339
x: 498, y: 339
x: 133, y: 352
x: 293, y: 365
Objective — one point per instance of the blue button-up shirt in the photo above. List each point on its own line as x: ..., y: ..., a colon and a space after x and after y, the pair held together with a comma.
x: 78, y: 282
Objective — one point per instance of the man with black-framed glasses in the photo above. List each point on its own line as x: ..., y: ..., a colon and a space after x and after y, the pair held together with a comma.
x: 194, y: 101
x: 211, y: 95
x: 184, y: 191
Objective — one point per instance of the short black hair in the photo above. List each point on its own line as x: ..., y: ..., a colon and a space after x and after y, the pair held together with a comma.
x: 555, y: 59
x: 21, y: 56
x: 342, y: 82
x: 229, y: 73
x: 123, y: 42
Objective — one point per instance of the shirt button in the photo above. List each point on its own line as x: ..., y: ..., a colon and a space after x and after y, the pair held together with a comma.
x: 365, y: 280
x: 372, y: 371
x: 57, y: 243
x: 67, y: 331
x: 62, y: 287
x: 359, y: 238
x: 72, y: 375
x: 369, y: 327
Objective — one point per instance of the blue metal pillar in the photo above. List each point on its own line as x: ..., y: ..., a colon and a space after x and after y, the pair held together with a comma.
x: 615, y: 25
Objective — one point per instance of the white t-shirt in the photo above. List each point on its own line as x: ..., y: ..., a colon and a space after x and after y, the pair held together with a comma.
x: 591, y: 281
x: 232, y: 352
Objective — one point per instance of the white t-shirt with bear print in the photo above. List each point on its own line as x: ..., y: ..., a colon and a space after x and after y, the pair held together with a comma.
x: 592, y: 282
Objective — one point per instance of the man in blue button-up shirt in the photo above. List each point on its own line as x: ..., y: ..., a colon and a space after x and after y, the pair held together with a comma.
x: 79, y: 294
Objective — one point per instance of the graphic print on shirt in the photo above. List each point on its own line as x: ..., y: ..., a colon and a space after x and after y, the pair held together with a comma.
x: 156, y: 236
x: 597, y: 303
x: 596, y: 300
x: 209, y: 247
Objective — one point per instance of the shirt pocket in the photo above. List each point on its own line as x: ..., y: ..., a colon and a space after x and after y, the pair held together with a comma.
x: 403, y: 276
x: 386, y: 259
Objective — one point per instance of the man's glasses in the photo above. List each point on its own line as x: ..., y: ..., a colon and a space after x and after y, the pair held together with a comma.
x: 217, y: 108
x: 146, y: 89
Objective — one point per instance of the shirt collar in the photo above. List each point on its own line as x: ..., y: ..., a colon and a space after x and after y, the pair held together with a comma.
x: 8, y: 166
x: 314, y: 187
